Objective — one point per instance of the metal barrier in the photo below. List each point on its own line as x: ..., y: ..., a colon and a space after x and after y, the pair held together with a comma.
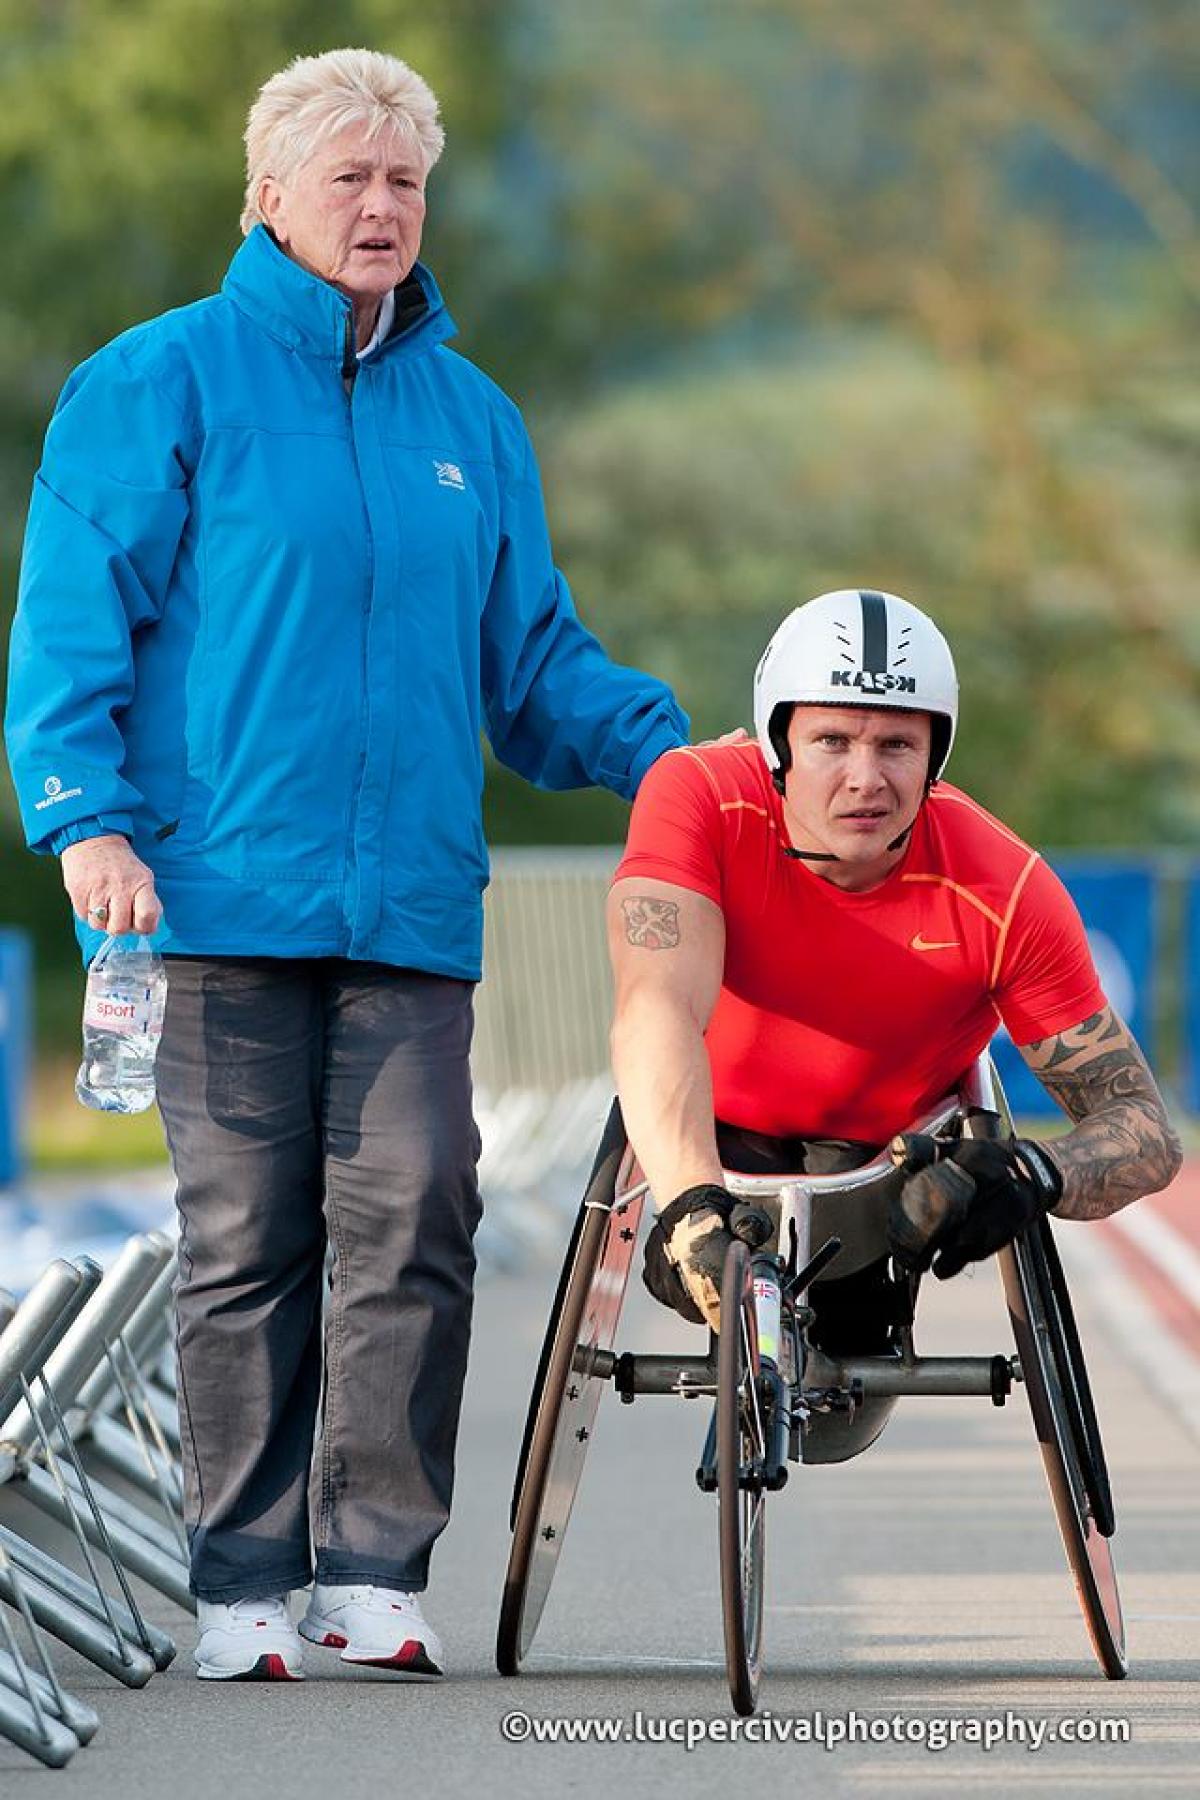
x: 79, y: 1372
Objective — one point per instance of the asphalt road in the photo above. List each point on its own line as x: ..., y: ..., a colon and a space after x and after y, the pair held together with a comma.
x: 924, y: 1582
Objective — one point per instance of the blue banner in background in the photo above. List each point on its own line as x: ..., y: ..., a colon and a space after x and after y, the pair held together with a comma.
x: 1116, y: 901
x: 1191, y: 996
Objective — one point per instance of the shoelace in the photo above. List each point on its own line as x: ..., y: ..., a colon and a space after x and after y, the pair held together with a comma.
x: 272, y: 1611
x: 378, y: 1600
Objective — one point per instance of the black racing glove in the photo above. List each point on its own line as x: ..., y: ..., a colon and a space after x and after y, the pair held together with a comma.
x: 685, y: 1254
x: 966, y: 1207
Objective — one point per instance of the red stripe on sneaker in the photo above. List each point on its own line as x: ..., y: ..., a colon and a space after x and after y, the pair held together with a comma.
x: 412, y: 1657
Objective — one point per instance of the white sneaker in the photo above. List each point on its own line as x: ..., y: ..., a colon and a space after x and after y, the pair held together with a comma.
x: 376, y: 1625
x: 249, y: 1640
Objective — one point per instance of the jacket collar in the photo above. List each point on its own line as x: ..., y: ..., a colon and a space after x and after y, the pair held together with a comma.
x: 310, y: 315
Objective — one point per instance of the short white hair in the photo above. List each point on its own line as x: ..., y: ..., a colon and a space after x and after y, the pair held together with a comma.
x: 316, y: 97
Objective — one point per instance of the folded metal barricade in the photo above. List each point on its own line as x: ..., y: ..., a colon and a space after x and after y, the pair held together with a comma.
x: 77, y: 1368
x: 537, y: 1143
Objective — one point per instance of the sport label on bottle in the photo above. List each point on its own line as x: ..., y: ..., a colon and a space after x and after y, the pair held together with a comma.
x: 126, y: 1014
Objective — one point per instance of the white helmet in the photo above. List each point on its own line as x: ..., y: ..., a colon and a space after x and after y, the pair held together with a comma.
x: 856, y: 648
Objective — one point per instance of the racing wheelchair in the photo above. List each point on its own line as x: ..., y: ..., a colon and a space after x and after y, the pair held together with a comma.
x: 779, y: 1398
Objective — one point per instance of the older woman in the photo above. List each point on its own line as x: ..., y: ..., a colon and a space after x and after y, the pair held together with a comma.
x: 286, y: 556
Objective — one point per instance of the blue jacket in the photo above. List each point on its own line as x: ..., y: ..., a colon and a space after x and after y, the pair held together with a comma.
x: 263, y: 620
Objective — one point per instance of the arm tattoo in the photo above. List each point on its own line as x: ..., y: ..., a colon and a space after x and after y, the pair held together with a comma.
x: 651, y: 924
x: 1123, y: 1144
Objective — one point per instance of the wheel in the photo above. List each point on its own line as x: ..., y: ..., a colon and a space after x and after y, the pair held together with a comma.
x: 574, y: 1368
x: 742, y: 1439
x: 1065, y: 1421
x: 1077, y: 1391
x: 1064, y: 1418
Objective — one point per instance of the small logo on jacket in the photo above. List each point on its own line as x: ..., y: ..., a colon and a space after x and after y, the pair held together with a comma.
x: 920, y: 943
x: 55, y: 792
x: 449, y: 475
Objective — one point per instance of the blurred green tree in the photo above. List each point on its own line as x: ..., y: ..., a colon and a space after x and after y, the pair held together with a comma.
x: 703, y: 511
x: 959, y: 236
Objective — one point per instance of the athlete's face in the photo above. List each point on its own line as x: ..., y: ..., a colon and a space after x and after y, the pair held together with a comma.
x: 856, y: 782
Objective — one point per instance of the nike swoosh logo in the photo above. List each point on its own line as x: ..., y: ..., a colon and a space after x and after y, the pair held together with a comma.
x: 920, y: 943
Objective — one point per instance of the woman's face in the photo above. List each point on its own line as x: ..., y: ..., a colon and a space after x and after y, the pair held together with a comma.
x: 353, y: 213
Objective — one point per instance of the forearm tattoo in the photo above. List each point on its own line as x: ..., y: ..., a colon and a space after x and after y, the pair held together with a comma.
x: 1123, y: 1144
x: 651, y: 924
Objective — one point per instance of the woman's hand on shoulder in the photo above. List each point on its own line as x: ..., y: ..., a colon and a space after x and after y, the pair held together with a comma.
x: 739, y: 735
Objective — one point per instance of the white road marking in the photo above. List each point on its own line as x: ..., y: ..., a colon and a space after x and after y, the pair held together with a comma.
x: 1167, y: 1248
x: 1166, y: 1363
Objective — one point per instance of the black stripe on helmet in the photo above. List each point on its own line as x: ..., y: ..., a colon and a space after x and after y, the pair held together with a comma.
x: 874, y: 633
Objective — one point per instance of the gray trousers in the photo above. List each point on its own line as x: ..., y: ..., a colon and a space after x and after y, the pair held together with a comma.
x: 307, y: 1100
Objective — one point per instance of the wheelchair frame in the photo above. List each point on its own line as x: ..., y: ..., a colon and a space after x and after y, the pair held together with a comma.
x: 775, y: 1394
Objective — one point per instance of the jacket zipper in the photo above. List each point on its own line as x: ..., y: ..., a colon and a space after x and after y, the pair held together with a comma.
x: 348, y: 375
x: 349, y: 359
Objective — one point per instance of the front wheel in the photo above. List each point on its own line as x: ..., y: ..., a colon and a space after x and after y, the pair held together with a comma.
x: 741, y: 1494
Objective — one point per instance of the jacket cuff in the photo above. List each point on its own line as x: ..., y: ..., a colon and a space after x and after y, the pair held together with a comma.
x: 104, y: 825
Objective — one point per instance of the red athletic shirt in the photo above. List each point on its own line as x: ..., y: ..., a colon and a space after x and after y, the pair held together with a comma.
x: 847, y: 1015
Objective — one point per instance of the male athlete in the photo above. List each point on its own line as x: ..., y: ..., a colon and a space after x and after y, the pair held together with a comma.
x: 813, y: 938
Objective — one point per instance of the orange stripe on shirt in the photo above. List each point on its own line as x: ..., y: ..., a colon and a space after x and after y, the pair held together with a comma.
x: 689, y: 752
x: 1002, y: 940
x: 985, y: 818
x: 973, y: 899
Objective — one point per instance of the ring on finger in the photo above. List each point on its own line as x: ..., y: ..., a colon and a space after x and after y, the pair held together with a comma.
x: 99, y: 912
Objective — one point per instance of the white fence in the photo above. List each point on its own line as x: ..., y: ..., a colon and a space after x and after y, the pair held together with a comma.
x: 541, y: 1045
x: 543, y: 1010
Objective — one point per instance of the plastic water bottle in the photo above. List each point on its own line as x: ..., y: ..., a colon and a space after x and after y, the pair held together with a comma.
x: 122, y: 1024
